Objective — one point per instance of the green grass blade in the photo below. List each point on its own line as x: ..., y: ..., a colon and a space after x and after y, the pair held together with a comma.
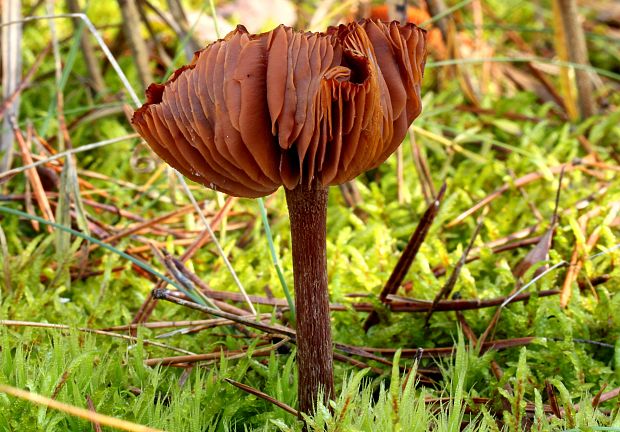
x: 274, y: 258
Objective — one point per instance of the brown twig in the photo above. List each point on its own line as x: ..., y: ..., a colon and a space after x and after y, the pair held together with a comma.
x: 357, y: 363
x: 215, y: 356
x: 408, y: 255
x: 264, y: 396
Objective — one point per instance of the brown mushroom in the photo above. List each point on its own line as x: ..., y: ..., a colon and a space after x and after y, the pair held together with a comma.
x: 252, y: 113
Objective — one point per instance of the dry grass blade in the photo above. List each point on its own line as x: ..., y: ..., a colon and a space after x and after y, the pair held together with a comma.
x: 547, y: 85
x: 539, y: 253
x: 511, y: 297
x: 76, y: 411
x: 559, y: 39
x: 553, y: 401
x: 147, y: 224
x: 408, y: 255
x: 604, y: 397
x: 265, y: 396
x: 61, y: 383
x: 597, y: 398
x: 577, y: 258
x: 497, y: 246
x: 6, y: 266
x: 195, y: 287
x: 421, y: 165
x: 59, y: 155
x: 577, y: 50
x: 216, y: 242
x: 33, y: 176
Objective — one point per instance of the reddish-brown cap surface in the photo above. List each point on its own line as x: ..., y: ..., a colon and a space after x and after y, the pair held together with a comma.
x: 253, y: 112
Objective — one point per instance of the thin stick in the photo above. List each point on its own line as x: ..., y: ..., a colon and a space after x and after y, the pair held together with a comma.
x: 448, y: 351
x: 265, y: 396
x: 162, y: 294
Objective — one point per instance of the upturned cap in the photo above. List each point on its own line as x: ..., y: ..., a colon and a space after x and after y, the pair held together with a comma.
x: 253, y: 112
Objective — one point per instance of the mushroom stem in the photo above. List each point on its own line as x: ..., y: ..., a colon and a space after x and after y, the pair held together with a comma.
x: 307, y: 209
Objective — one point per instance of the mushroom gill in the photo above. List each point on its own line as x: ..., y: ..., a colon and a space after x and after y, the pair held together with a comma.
x: 253, y: 112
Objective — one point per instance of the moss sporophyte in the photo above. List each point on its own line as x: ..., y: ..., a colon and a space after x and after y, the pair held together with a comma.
x: 252, y: 113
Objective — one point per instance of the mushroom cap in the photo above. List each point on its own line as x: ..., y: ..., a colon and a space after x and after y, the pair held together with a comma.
x: 253, y: 112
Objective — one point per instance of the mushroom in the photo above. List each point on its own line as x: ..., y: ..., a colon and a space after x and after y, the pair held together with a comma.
x: 251, y: 113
